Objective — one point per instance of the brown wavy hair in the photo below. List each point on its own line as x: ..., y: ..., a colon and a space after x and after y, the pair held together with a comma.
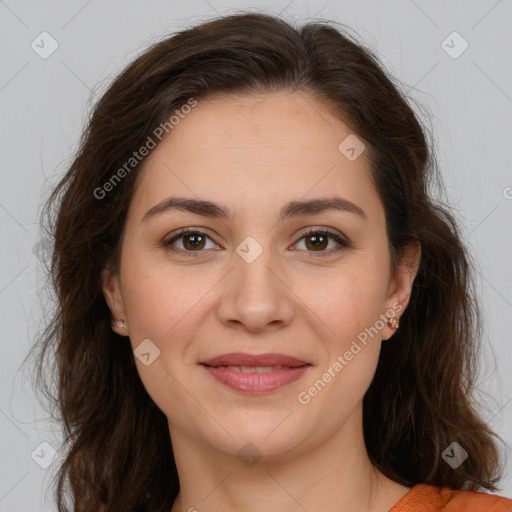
x: 118, y: 452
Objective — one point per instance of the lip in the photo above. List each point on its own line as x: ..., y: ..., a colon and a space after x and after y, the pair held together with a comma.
x: 251, y: 360
x: 288, y: 369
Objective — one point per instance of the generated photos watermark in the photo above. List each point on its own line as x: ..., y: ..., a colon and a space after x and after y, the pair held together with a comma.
x: 304, y: 397
x: 149, y: 144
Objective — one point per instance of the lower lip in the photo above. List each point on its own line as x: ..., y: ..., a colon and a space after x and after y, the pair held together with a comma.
x: 256, y: 382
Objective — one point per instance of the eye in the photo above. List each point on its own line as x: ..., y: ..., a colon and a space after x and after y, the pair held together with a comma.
x: 191, y: 241
x: 194, y: 241
x: 317, y: 240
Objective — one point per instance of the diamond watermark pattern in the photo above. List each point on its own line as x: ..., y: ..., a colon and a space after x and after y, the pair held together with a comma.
x: 42, y: 249
x: 454, y: 45
x: 249, y: 249
x: 351, y: 147
x: 454, y: 455
x: 147, y: 352
x: 249, y: 455
x: 44, y: 454
x: 44, y: 45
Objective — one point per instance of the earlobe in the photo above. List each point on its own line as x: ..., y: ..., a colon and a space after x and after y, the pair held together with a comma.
x: 113, y: 297
x: 401, y: 284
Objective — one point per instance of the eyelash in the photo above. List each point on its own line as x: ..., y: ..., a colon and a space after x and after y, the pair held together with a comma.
x: 343, y: 243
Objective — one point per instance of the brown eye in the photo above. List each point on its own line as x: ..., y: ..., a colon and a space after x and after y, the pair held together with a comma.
x: 317, y: 241
x: 191, y: 241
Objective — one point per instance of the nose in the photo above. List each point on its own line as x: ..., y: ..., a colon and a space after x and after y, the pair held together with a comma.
x: 256, y: 296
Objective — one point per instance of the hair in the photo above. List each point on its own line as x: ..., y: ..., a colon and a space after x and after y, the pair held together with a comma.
x: 118, y: 450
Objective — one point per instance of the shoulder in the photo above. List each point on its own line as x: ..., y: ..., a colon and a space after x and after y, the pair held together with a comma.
x: 431, y: 498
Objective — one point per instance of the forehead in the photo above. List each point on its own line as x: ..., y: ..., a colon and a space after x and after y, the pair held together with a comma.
x: 258, y: 149
x: 256, y: 123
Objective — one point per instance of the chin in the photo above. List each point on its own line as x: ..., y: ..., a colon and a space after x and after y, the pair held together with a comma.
x: 267, y: 441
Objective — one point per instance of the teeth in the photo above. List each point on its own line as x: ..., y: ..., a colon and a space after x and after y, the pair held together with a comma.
x: 254, y: 369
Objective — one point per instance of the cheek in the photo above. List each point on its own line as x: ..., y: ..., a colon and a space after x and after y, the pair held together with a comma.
x: 158, y: 298
x: 346, y: 312
x: 347, y: 302
x: 160, y: 308
x: 350, y: 307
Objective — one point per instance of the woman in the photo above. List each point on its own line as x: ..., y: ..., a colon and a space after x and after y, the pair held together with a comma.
x: 260, y: 306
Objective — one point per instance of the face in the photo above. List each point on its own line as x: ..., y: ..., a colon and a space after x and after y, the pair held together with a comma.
x: 275, y: 273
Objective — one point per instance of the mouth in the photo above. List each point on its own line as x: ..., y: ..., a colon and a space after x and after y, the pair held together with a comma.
x: 255, y: 374
x: 246, y: 360
x: 256, y: 369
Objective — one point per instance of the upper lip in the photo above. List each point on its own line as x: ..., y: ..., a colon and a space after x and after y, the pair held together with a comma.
x: 253, y: 360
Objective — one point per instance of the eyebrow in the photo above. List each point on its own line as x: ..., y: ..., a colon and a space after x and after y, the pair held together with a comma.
x: 289, y: 210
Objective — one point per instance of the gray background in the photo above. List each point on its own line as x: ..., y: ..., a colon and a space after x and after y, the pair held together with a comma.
x: 44, y: 103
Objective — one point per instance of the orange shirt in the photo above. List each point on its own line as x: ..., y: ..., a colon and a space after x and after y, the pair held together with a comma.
x: 430, y: 498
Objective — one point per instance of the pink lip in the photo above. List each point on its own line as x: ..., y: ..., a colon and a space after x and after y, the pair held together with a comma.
x: 255, y: 383
x: 245, y: 359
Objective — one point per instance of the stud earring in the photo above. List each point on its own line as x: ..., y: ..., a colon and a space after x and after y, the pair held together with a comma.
x: 116, y: 323
x: 393, y: 322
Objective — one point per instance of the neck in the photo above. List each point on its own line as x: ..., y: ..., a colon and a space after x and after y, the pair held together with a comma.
x: 334, y: 476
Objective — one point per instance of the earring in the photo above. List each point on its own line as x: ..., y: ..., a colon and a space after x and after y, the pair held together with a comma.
x: 393, y: 322
x: 120, y: 323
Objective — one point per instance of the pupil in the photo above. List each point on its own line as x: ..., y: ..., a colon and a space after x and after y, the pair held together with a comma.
x: 197, y: 239
x: 318, y: 240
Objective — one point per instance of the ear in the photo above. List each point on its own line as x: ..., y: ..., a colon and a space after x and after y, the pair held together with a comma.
x: 400, y: 285
x: 113, y: 296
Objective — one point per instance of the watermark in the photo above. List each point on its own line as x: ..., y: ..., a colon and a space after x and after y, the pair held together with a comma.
x: 351, y: 147
x: 304, y: 397
x: 249, y: 455
x: 146, y: 352
x: 44, y: 45
x: 454, y: 45
x: 43, y: 249
x: 249, y: 250
x: 44, y: 454
x: 454, y: 455
x: 138, y: 156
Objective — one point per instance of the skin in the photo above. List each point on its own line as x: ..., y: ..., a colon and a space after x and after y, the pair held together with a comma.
x: 253, y: 155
